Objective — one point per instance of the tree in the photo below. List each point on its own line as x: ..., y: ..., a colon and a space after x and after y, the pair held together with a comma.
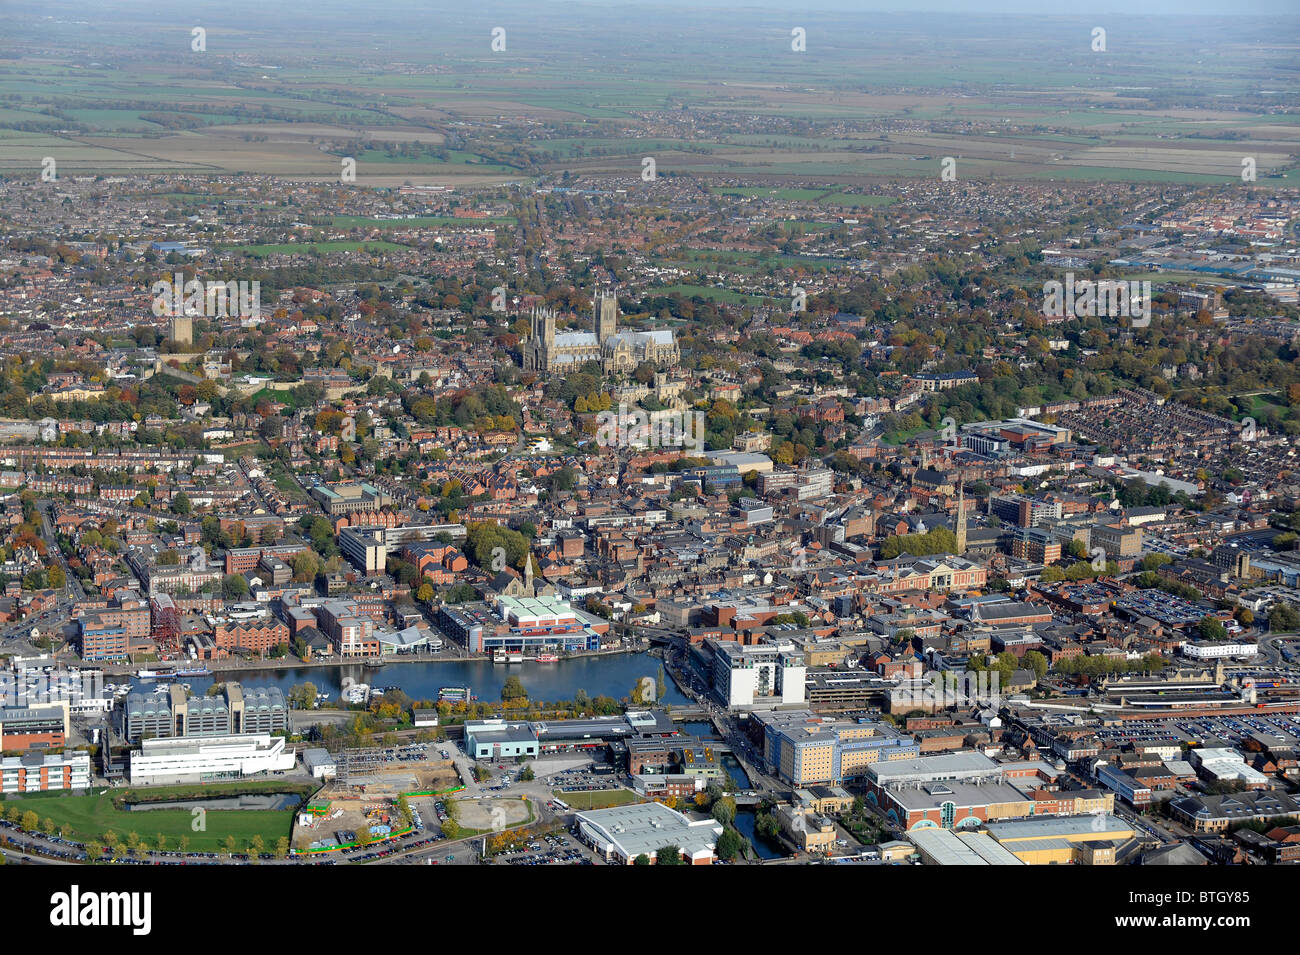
x: 404, y: 809
x: 303, y: 696
x: 1210, y: 628
x: 724, y: 810
x: 526, y: 775
x: 641, y: 691
x: 1283, y: 617
x: 669, y: 855
x: 1036, y: 662
x: 181, y: 504
x: 730, y: 844
x: 642, y: 859
x: 1153, y: 562
x: 306, y: 565
x: 234, y: 586
x: 512, y: 690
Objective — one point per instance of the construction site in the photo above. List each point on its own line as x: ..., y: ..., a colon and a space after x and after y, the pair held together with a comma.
x: 359, y: 804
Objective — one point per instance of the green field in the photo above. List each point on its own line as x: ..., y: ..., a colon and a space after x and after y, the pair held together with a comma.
x: 237, y: 451
x: 598, y: 799
x: 712, y: 294
x: 87, y: 818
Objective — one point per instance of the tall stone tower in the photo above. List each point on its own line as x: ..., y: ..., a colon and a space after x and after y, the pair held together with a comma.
x: 181, y: 330
x: 538, y: 355
x: 605, y: 310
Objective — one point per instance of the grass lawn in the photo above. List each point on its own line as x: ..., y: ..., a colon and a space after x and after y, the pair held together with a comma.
x: 87, y: 818
x: 598, y: 799
x: 235, y: 451
x: 711, y: 294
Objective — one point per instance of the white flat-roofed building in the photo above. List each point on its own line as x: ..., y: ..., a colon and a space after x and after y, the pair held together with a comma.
x: 172, y: 761
x: 1207, y: 650
x: 536, y: 612
x: 625, y: 832
x: 961, y: 766
x: 1225, y: 764
x: 319, y: 763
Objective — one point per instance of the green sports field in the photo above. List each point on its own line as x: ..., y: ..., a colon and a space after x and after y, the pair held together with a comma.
x: 90, y: 817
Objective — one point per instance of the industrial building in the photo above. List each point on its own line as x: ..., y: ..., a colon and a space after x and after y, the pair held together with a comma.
x: 500, y: 739
x: 319, y: 763
x: 1083, y: 840
x: 945, y: 847
x: 625, y: 832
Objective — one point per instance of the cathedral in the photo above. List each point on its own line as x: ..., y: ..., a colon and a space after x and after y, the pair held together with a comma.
x: 617, y: 352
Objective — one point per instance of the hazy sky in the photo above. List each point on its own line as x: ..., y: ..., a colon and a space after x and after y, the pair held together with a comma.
x: 1033, y: 7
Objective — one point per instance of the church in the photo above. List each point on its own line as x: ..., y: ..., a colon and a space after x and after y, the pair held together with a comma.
x: 617, y: 352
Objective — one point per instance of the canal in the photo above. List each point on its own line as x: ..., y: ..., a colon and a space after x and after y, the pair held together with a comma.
x: 745, y: 821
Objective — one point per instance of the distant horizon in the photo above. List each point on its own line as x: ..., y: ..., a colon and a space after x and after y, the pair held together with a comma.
x: 1040, y: 9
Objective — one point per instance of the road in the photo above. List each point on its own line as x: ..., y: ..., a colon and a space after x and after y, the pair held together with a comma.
x: 72, y: 586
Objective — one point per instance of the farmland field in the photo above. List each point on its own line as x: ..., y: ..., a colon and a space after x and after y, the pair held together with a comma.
x: 447, y: 110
